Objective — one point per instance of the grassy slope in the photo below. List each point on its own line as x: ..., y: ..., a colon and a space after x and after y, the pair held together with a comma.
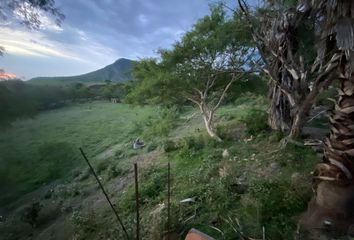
x: 95, y: 127
x: 257, y: 184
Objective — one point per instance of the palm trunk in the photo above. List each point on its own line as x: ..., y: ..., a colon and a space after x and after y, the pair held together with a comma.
x: 333, y: 179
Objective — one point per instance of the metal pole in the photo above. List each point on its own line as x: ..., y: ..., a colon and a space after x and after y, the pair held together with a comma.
x: 168, y: 200
x: 105, y: 194
x: 137, y: 201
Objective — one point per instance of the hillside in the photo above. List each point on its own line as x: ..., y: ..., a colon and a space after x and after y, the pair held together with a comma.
x: 245, y: 181
x: 119, y: 71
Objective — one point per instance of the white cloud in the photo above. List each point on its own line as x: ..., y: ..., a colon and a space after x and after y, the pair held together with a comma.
x: 36, y: 44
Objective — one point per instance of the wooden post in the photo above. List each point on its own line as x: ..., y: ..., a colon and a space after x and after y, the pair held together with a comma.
x: 105, y: 194
x: 137, y: 201
x: 168, y: 200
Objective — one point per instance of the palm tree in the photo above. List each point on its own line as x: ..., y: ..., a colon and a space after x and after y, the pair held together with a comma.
x: 333, y: 204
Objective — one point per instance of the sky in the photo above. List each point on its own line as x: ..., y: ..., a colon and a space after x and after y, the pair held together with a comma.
x: 96, y: 33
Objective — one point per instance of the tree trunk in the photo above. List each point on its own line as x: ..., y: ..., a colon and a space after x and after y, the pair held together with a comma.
x: 279, y: 111
x: 333, y: 179
x: 209, y: 125
x: 302, y: 112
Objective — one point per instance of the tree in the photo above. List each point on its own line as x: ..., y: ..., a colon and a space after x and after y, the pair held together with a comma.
x: 296, y: 78
x: 201, y: 67
x: 29, y: 13
x: 333, y: 179
x: 208, y: 60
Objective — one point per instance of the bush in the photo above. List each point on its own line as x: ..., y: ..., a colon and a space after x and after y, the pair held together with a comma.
x: 159, y: 126
x: 280, y: 201
x: 250, y: 100
x: 169, y: 146
x: 30, y: 214
x: 114, y: 171
x: 255, y: 120
x: 84, y: 223
x: 151, y: 147
x: 66, y: 191
x: 101, y: 166
x: 192, y: 142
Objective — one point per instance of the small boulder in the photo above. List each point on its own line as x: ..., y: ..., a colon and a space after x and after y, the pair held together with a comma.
x: 225, y: 153
x: 274, y: 166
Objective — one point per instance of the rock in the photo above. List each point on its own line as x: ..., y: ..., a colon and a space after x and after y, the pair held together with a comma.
x: 296, y: 177
x: 138, y: 144
x: 238, y: 133
x: 274, y: 166
x: 225, y: 153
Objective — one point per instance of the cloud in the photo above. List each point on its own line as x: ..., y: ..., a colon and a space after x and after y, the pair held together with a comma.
x: 97, y: 32
x: 26, y: 43
x: 37, y: 44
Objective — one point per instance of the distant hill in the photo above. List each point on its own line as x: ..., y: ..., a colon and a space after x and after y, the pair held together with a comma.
x: 119, y: 71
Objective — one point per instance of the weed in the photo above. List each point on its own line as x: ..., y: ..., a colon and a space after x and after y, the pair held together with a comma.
x: 255, y: 120
x: 84, y: 223
x: 280, y: 201
x: 30, y: 214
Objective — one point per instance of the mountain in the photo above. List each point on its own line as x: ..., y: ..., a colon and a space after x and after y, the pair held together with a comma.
x: 119, y: 71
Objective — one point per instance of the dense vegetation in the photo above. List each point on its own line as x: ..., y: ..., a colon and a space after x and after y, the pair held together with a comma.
x: 22, y: 100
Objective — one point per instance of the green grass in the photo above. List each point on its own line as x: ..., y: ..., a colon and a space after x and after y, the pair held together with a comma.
x: 241, y: 190
x: 54, y: 137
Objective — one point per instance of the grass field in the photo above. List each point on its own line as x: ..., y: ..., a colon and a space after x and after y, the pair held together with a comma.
x: 246, y: 182
x: 31, y: 145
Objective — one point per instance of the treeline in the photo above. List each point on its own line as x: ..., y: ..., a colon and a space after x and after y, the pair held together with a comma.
x: 19, y: 99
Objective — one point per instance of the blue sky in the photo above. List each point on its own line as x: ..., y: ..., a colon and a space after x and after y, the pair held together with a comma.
x: 95, y: 33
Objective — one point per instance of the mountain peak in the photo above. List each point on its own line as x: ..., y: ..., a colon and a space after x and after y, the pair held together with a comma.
x: 121, y: 60
x: 119, y: 71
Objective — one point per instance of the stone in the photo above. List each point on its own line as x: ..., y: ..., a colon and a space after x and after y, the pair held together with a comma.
x: 225, y: 153
x: 274, y: 166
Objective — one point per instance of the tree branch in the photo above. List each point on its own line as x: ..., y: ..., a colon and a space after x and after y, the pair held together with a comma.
x: 233, y: 79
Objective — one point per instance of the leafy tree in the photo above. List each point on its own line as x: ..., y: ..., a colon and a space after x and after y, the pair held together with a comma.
x: 150, y: 84
x: 200, y: 68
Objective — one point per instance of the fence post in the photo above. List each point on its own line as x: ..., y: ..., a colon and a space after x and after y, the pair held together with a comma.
x: 137, y: 201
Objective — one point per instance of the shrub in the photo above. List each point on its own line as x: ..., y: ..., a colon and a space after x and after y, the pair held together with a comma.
x: 192, y: 142
x: 30, y: 214
x: 161, y: 125
x: 169, y: 146
x: 101, y: 166
x: 66, y: 191
x: 83, y: 223
x: 114, y: 171
x: 280, y: 201
x: 151, y: 147
x: 255, y: 120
